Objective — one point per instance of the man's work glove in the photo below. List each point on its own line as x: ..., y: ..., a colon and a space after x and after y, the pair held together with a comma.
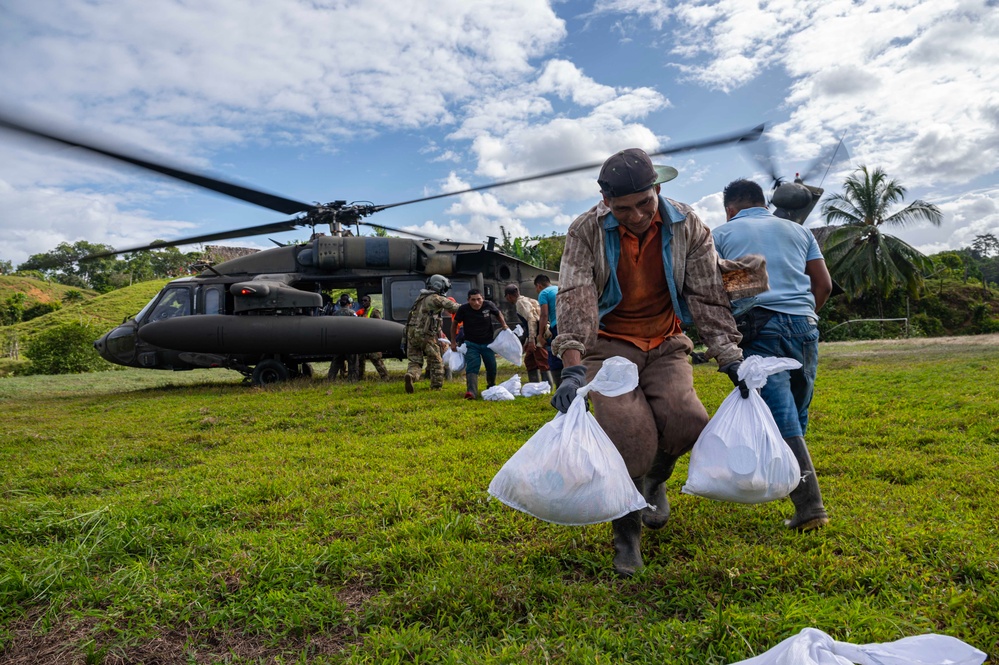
x: 573, y: 379
x: 732, y: 369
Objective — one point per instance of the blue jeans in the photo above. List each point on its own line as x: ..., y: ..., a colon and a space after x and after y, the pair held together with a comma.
x: 789, y: 393
x: 475, y: 355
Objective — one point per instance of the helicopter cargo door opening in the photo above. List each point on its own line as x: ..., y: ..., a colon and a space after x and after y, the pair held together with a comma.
x: 400, y: 293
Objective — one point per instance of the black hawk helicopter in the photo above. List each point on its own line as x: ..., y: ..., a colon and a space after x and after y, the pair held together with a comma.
x: 795, y: 200
x: 262, y: 314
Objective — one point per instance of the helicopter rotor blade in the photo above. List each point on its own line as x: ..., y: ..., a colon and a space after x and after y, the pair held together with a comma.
x: 745, y: 136
x: 763, y: 154
x: 247, y: 194
x: 832, y: 157
x: 415, y: 234
x: 276, y: 227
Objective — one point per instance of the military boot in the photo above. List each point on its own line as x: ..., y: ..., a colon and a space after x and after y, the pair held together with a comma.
x: 654, y: 490
x: 627, y: 544
x: 809, y: 513
x: 471, y: 386
x: 533, y: 375
x: 409, y: 383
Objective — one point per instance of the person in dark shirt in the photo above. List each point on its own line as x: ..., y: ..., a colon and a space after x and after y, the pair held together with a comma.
x: 476, y: 317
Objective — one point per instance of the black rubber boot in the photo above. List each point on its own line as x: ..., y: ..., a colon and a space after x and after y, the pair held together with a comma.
x: 547, y: 376
x: 490, y: 379
x: 654, y: 490
x: 628, y: 544
x: 809, y: 513
x: 557, y: 375
x: 533, y: 375
x: 471, y: 386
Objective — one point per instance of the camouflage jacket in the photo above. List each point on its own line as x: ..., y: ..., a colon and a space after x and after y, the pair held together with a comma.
x: 588, y: 285
x: 424, y: 318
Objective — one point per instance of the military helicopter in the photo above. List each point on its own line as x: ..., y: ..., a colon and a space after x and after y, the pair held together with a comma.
x: 795, y: 200
x: 263, y: 314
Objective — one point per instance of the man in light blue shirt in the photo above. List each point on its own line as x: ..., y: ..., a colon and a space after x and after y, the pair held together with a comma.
x: 781, y: 322
x: 546, y: 298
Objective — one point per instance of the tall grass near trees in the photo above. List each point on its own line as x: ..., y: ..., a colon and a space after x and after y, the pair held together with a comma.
x: 175, y: 518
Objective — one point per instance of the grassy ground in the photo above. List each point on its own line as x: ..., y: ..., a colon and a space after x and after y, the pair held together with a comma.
x: 188, y: 518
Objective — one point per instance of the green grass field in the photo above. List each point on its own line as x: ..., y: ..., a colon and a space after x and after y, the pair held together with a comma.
x: 150, y: 517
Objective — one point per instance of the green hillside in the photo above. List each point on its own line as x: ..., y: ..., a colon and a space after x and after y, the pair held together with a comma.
x: 104, y: 311
x: 37, y: 290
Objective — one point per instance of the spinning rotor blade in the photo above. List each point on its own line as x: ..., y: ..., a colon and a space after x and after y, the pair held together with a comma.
x: 254, y: 196
x: 276, y: 227
x: 738, y: 137
x: 835, y: 156
x: 415, y: 234
x: 763, y: 154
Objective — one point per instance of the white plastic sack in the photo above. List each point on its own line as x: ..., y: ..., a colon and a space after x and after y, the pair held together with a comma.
x: 507, y: 345
x: 513, y: 385
x: 813, y: 647
x: 497, y: 394
x: 569, y: 472
x: 535, y: 389
x: 518, y: 331
x: 455, y: 360
x: 740, y: 455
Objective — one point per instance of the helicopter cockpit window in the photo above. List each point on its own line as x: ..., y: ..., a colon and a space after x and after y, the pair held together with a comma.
x: 173, y: 302
x: 142, y: 312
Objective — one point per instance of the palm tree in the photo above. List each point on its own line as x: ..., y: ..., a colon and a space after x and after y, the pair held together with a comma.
x: 860, y: 256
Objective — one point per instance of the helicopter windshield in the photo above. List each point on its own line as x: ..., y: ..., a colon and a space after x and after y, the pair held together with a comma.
x: 173, y: 302
x: 142, y: 312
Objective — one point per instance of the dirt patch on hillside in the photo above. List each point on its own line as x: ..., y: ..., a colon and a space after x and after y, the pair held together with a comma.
x: 959, y: 340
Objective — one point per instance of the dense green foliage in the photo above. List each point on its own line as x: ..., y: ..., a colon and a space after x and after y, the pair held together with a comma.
x: 159, y: 517
x: 65, y: 349
x: 65, y: 265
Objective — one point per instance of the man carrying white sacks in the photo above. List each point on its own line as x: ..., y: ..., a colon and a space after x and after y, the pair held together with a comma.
x: 635, y: 266
x: 782, y: 323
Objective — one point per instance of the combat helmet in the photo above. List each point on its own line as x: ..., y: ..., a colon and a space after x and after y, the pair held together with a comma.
x: 439, y: 284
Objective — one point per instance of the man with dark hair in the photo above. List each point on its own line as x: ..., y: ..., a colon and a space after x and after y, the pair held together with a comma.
x: 345, y: 365
x: 634, y: 266
x: 547, y: 293
x: 781, y: 322
x: 476, y: 318
x: 535, y: 355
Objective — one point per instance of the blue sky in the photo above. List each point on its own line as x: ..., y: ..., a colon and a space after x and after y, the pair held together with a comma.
x: 382, y: 101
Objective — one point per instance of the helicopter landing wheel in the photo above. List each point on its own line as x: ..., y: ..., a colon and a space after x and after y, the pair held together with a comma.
x: 269, y: 371
x: 307, y: 371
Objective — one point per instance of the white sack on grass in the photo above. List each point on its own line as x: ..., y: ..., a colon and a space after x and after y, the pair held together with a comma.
x: 497, y: 394
x: 507, y: 345
x: 813, y: 647
x: 535, y: 389
x: 455, y: 360
x: 569, y: 472
x: 513, y: 385
x: 740, y: 455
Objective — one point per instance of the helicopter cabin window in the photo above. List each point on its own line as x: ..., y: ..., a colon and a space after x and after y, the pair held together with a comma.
x: 173, y: 302
x: 213, y: 300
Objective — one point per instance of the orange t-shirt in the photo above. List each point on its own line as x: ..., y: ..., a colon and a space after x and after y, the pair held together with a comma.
x: 645, y: 315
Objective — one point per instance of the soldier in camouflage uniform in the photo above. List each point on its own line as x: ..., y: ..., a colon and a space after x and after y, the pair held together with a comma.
x: 422, y: 330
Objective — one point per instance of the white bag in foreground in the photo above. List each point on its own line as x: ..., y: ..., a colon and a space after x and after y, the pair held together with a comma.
x: 455, y: 360
x: 569, y: 472
x: 813, y: 647
x: 497, y: 394
x: 740, y: 455
x: 513, y: 385
x: 535, y: 389
x: 507, y: 345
